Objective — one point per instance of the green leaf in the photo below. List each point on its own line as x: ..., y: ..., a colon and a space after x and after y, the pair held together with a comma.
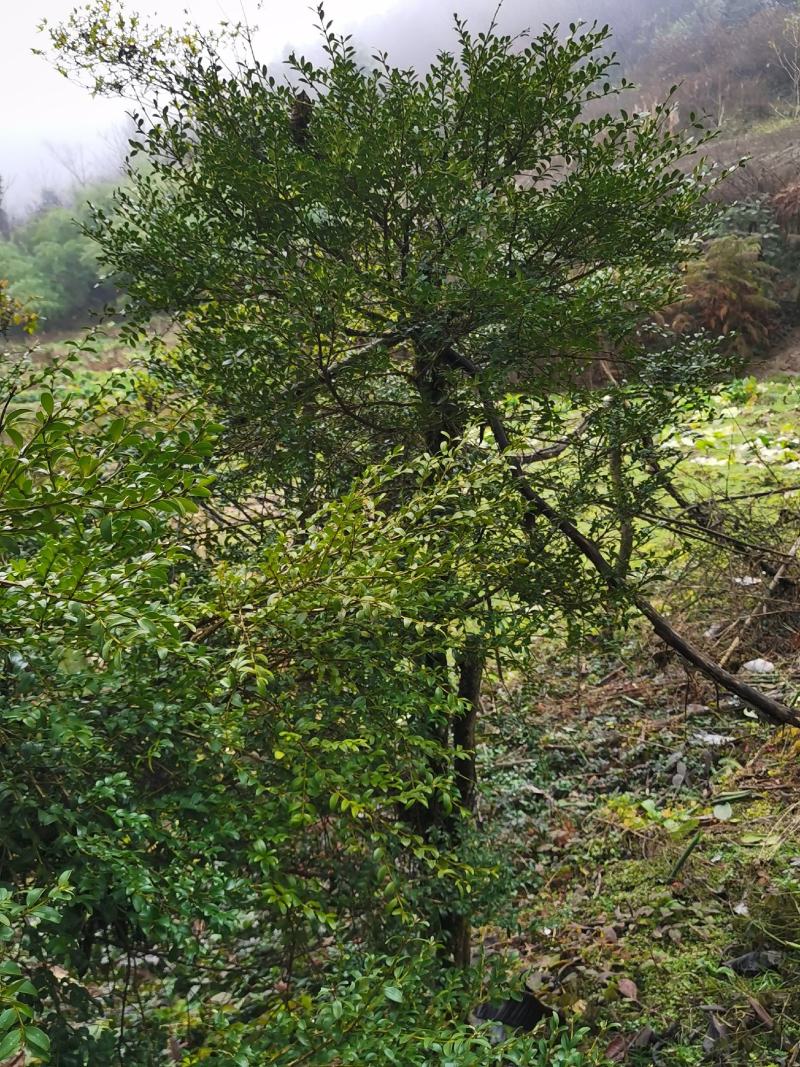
x: 391, y: 992
x: 37, y: 1039
x: 10, y: 1043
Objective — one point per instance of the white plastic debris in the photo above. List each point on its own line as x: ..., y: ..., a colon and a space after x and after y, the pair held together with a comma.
x: 759, y: 666
x: 703, y: 737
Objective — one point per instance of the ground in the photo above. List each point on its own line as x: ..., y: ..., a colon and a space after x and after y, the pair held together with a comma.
x: 784, y: 359
x: 654, y: 823
x: 665, y: 847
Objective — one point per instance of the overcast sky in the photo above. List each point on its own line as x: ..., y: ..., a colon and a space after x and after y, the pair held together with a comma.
x: 46, y: 119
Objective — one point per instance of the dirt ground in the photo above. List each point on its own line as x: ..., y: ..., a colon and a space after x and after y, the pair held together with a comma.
x: 783, y: 360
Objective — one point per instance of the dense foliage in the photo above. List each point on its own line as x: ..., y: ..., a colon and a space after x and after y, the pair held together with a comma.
x: 251, y: 597
x: 51, y: 266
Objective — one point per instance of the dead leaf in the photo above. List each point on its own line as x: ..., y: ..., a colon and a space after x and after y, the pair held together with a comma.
x: 752, y: 964
x: 679, y: 777
x: 618, y: 1049
x: 762, y: 1013
x: 645, y: 1038
x: 716, y: 1035
x: 628, y: 988
x: 625, y: 1043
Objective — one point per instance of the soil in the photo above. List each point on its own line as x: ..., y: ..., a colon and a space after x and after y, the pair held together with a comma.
x: 784, y: 360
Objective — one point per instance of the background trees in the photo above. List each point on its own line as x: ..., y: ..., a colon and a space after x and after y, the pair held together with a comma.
x: 51, y: 265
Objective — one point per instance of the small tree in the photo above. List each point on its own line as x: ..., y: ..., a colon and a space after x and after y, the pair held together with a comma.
x: 366, y: 261
x: 5, y: 223
x: 787, y: 52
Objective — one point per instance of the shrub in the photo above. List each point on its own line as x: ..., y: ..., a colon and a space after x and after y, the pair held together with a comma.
x: 787, y: 207
x: 728, y: 291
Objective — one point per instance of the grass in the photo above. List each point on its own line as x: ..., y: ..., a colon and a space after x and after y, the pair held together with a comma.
x: 752, y: 443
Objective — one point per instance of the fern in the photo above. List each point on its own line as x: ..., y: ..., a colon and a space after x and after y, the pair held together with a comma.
x: 728, y: 291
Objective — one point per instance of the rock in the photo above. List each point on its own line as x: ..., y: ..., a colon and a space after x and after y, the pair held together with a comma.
x: 523, y: 1014
x: 709, y: 740
x: 752, y: 964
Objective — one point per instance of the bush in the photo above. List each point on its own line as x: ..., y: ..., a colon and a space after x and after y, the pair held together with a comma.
x: 729, y: 291
x: 786, y: 203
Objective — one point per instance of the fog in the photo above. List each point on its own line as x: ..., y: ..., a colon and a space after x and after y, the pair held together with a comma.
x: 55, y: 133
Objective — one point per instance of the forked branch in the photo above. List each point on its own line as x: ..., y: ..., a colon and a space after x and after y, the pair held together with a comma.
x: 538, y: 507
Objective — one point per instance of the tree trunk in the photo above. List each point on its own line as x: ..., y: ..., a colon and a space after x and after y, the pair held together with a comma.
x: 469, y: 690
x: 456, y: 925
x: 443, y: 420
x: 626, y: 531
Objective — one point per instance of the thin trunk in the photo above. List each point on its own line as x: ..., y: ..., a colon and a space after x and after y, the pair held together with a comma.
x: 626, y: 531
x: 469, y: 690
x: 456, y: 925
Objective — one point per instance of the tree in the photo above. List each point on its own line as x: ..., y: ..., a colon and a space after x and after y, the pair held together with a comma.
x: 389, y: 287
x: 52, y: 266
x: 366, y: 259
x: 787, y: 52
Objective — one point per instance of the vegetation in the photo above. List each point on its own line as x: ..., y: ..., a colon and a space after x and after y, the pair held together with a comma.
x: 51, y: 266
x: 730, y: 293
x: 290, y: 726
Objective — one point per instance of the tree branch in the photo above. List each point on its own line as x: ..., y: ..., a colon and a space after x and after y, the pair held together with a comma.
x: 771, y: 709
x: 554, y: 450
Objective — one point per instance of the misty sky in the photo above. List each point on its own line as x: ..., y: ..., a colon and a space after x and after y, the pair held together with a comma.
x: 46, y: 119
x: 44, y: 116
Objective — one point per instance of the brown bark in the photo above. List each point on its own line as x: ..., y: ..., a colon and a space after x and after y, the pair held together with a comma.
x: 456, y: 925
